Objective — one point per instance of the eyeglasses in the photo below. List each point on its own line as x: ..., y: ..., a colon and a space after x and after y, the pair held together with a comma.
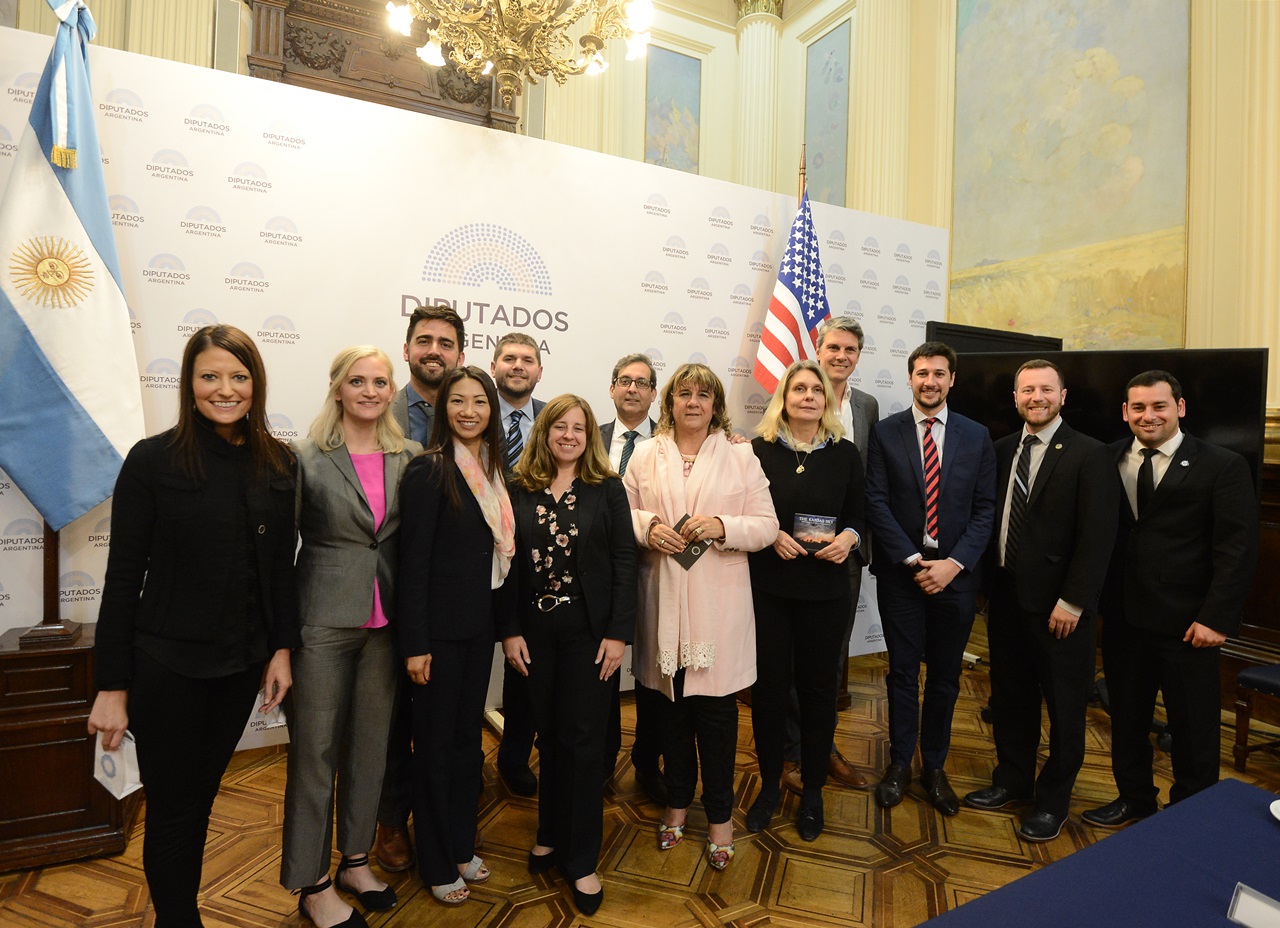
x: 626, y: 383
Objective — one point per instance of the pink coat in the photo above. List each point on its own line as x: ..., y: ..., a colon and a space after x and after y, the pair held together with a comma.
x: 708, y: 621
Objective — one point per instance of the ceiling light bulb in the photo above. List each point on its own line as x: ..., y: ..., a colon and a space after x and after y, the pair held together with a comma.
x: 400, y: 17
x: 637, y: 46
x: 488, y: 68
x: 639, y: 15
x: 432, y: 54
x: 597, y: 65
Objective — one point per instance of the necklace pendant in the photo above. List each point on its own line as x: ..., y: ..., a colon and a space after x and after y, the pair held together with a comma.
x: 799, y: 468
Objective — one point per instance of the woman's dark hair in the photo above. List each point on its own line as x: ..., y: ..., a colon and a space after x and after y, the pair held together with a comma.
x: 269, y: 455
x: 441, y: 441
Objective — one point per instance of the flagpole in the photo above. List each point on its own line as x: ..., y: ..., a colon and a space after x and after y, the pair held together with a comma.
x: 800, y: 195
x: 52, y: 630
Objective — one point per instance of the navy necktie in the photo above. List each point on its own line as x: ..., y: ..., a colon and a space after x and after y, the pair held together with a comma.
x: 627, y: 447
x: 515, y: 441
x: 1018, y: 502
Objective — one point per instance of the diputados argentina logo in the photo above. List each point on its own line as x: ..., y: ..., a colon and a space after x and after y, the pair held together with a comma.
x: 654, y: 283
x: 760, y: 261
x: 699, y: 289
x: 720, y: 218
x: 282, y: 427
x: 740, y: 367
x: 719, y: 254
x: 675, y: 248
x: 162, y: 374
x: 206, y: 119
x: 901, y: 285
x: 4, y: 597
x: 278, y: 330
x: 933, y: 260
x: 871, y: 247
x: 249, y: 176
x: 125, y: 213
x: 166, y: 269
x: 716, y: 328
x: 280, y: 230
x: 78, y: 587
x: 194, y: 321
x: 247, y: 277
x: 672, y: 324
x: 22, y: 535
x: 23, y: 88
x: 8, y: 147
x: 836, y: 241
x: 203, y: 221
x: 281, y: 134
x: 902, y: 254
x: 656, y: 205
x: 170, y: 164
x: 762, y: 226
x: 834, y: 274
x: 932, y: 291
x: 741, y: 295
x: 123, y: 103
x: 100, y: 536
x: 917, y: 319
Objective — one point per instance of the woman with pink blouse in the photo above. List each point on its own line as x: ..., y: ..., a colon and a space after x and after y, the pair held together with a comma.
x: 349, y: 471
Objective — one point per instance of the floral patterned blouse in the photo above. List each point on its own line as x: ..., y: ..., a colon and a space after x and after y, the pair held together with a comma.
x: 555, y: 536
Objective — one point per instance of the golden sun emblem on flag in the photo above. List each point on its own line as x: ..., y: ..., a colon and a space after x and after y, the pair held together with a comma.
x: 52, y: 272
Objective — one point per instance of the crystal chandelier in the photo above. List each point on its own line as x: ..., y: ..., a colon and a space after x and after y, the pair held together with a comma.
x: 518, y: 39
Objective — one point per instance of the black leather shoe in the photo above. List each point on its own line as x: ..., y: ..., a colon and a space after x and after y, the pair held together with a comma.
x: 587, y: 903
x: 993, y: 797
x: 761, y: 813
x: 809, y: 822
x: 941, y: 795
x: 520, y: 780
x: 654, y: 786
x: 1116, y: 813
x: 1041, y: 826
x: 541, y: 863
x: 892, y: 786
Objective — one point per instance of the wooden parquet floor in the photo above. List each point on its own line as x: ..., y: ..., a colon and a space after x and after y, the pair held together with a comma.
x: 869, y: 868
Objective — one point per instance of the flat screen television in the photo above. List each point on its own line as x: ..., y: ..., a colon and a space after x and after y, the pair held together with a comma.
x: 976, y: 338
x: 1225, y: 390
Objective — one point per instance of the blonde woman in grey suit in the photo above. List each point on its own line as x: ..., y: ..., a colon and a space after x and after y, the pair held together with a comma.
x: 349, y: 471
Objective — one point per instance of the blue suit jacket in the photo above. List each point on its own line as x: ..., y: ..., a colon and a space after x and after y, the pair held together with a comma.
x: 966, y: 497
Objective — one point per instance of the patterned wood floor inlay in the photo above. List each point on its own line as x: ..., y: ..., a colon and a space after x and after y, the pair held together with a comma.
x: 869, y: 868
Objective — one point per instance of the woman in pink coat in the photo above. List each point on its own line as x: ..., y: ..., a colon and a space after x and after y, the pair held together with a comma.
x: 699, y: 504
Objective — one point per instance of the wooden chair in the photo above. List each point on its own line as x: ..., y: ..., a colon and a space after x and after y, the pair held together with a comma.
x: 1250, y: 682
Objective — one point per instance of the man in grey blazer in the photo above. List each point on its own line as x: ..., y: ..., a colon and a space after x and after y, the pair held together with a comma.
x: 633, y: 386
x: 840, y: 341
x: 433, y: 346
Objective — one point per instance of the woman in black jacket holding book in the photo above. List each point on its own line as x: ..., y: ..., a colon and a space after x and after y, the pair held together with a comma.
x: 800, y: 585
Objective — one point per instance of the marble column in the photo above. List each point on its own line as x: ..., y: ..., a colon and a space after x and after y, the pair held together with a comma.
x: 759, y: 40
x: 881, y: 93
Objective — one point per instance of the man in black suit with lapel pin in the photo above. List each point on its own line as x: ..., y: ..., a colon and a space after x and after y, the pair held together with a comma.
x: 1183, y: 563
x: 1056, y: 499
x: 633, y: 385
x: 931, y: 487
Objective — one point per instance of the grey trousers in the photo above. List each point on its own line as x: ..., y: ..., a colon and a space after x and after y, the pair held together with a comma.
x: 344, y: 680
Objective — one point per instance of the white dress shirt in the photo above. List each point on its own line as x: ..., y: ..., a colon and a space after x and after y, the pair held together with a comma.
x: 642, y: 431
x: 1159, y: 464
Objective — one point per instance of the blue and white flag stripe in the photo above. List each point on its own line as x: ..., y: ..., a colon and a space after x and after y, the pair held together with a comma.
x: 70, y: 400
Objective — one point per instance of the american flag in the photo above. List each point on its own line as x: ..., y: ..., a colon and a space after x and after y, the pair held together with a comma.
x: 798, y: 306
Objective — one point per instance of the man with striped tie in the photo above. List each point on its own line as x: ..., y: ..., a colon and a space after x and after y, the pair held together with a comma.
x: 1057, y: 497
x: 931, y: 485
x: 632, y: 387
x: 516, y: 369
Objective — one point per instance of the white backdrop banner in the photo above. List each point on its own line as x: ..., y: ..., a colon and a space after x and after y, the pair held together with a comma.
x: 314, y: 222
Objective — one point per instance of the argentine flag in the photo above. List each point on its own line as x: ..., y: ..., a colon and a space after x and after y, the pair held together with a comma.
x: 70, y: 400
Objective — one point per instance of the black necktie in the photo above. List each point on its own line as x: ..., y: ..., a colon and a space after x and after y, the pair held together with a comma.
x: 1018, y: 501
x: 628, y: 446
x: 515, y: 441
x: 1146, y: 479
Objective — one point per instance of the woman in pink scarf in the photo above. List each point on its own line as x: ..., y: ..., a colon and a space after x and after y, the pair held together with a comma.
x: 692, y: 492
x: 457, y: 537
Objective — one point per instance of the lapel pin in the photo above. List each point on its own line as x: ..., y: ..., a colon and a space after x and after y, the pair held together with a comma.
x: 1186, y: 463
x: 1058, y: 446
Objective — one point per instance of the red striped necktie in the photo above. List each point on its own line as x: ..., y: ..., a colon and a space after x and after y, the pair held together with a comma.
x: 932, y: 479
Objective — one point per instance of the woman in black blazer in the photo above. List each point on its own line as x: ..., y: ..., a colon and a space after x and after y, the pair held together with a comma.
x: 198, y: 608
x: 575, y: 612
x: 800, y: 585
x: 457, y: 539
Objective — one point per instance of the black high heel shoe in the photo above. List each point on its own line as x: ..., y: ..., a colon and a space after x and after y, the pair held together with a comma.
x: 541, y: 863
x: 587, y: 903
x: 354, y: 920
x: 375, y: 900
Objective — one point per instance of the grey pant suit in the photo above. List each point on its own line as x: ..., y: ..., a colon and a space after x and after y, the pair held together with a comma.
x: 344, y: 675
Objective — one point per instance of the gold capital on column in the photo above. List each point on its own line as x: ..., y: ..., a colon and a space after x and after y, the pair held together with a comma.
x: 750, y: 7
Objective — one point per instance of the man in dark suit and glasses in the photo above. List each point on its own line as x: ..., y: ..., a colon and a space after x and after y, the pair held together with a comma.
x: 433, y: 347
x: 633, y: 386
x: 1056, y: 498
x: 931, y: 485
x: 1183, y: 563
x: 516, y: 369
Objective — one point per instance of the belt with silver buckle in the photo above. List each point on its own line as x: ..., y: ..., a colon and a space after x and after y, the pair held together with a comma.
x: 548, y: 601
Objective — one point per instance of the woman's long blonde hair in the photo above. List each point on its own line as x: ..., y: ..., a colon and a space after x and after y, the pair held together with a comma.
x: 775, y: 414
x: 326, y: 430
x: 536, y: 468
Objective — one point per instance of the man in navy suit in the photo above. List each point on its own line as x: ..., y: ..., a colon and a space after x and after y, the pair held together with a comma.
x: 516, y: 369
x: 1056, y: 525
x: 1183, y: 564
x: 931, y: 486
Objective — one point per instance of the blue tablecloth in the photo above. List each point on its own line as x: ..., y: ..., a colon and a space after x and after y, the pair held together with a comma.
x: 1177, y: 868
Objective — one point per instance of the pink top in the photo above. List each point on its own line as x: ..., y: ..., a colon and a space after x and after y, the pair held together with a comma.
x: 369, y: 470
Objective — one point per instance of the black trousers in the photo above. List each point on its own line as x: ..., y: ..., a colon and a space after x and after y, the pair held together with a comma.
x: 919, y: 628
x: 571, y: 708
x: 1028, y: 664
x: 1137, y: 664
x: 186, y: 731
x: 702, y: 731
x: 652, y: 712
x: 518, y: 729
x: 396, y: 801
x: 794, y: 643
x: 448, y: 758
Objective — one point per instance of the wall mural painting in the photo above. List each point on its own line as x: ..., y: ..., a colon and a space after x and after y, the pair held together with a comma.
x: 672, y: 109
x: 826, y: 116
x: 1071, y: 170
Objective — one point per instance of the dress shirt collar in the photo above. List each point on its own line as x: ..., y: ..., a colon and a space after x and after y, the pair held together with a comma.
x: 1169, y: 448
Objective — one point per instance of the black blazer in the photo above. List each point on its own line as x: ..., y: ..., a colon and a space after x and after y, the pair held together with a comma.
x: 895, y: 494
x: 606, y: 556
x: 177, y: 553
x: 1191, y: 556
x: 446, y: 563
x: 1070, y: 526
